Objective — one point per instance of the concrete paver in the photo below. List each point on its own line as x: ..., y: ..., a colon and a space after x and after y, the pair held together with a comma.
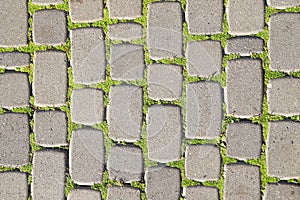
x: 205, y: 193
x: 125, y: 31
x: 14, y: 143
x: 124, y: 9
x: 283, y: 4
x: 47, y: 2
x: 48, y: 175
x: 50, y: 128
x: 13, y: 186
x: 283, y: 149
x: 164, y: 30
x: 244, y: 46
x: 86, y: 10
x: 12, y: 60
x: 86, y: 157
x: 124, y: 193
x: 282, y: 192
x: 79, y: 194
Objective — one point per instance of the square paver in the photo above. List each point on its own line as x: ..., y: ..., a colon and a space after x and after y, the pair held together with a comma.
x: 84, y: 11
x: 14, y: 90
x: 243, y: 140
x: 49, y: 27
x: 87, y: 106
x: 13, y: 186
x: 204, y: 58
x: 125, y: 163
x: 14, y: 143
x: 126, y: 193
x: 282, y: 4
x: 50, y: 128
x: 127, y: 62
x: 282, y: 192
x: 205, y: 193
x: 244, y: 46
x: 125, y: 31
x: 283, y: 96
x: 79, y: 194
x: 12, y: 60
x: 283, y: 149
x: 202, y: 162
x: 164, y: 82
x: 124, y: 9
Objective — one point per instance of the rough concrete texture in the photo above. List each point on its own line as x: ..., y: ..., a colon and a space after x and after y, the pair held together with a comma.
x: 127, y: 62
x: 125, y: 31
x: 162, y: 183
x: 13, y: 23
x: 279, y: 4
x: 50, y: 128
x: 125, y: 163
x: 86, y: 10
x: 164, y: 30
x: 243, y: 140
x: 14, y: 143
x: 283, y: 149
x: 87, y: 106
x: 244, y: 87
x: 245, y: 17
x: 282, y: 192
x: 87, y: 55
x: 124, y: 113
x: 14, y: 90
x: 49, y: 27
x: 124, y: 9
x: 164, y: 82
x: 284, y: 42
x: 204, y: 17
x: 47, y: 2
x: 50, y: 78
x: 15, y: 186
x: 86, y: 156
x: 124, y: 193
x: 12, y: 60
x: 244, y: 46
x: 79, y: 194
x: 48, y: 175
x: 283, y: 96
x: 204, y: 58
x: 242, y: 181
x: 205, y: 193
x: 164, y: 133
x: 203, y: 110
x: 202, y: 162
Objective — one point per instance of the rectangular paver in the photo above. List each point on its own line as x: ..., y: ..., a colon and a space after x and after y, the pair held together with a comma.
x: 164, y: 30
x: 87, y: 55
x: 86, y: 10
x: 124, y: 9
x: 205, y: 193
x: 47, y: 2
x: 244, y: 46
x: 282, y: 4
x: 125, y: 31
x: 79, y: 194
x: 123, y: 192
x: 13, y: 186
x: 12, y: 60
x: 282, y: 192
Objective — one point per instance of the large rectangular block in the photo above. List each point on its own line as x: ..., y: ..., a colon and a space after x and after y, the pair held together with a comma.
x: 13, y: 186
x: 164, y: 30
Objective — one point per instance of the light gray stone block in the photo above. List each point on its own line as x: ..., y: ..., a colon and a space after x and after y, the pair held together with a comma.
x: 14, y: 143
x: 13, y: 186
x: 49, y: 27
x: 204, y: 58
x: 244, y: 87
x: 205, y: 193
x: 204, y: 17
x: 283, y: 96
x: 202, y: 162
x: 164, y: 30
x: 283, y: 149
x: 87, y: 106
x: 124, y: 9
x: 282, y: 4
x: 12, y: 60
x: 203, y: 110
x: 85, y: 11
x: 50, y: 78
x: 243, y: 140
x: 125, y: 163
x: 13, y: 23
x: 86, y: 157
x: 14, y: 90
x: 124, y: 113
x: 126, y: 193
x: 244, y: 46
x: 284, y: 42
x: 127, y: 62
x: 47, y: 2
x: 241, y: 182
x: 282, y: 192
x: 164, y: 133
x: 245, y: 17
x: 88, y: 55
x: 48, y: 175
x: 80, y: 194
x: 125, y: 31
x: 164, y: 82
x: 50, y: 128
x: 162, y: 183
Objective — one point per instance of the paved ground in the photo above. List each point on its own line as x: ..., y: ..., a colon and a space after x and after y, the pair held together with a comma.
x: 157, y: 100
